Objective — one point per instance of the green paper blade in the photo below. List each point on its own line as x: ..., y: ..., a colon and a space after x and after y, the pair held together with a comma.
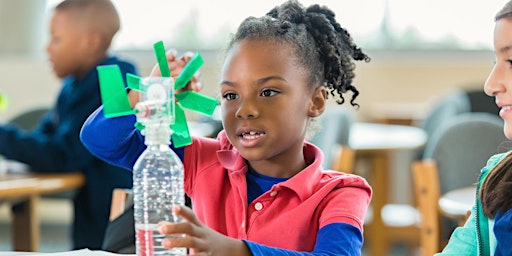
x: 181, y: 136
x: 133, y: 81
x: 188, y: 71
x: 197, y: 102
x: 113, y: 94
x: 162, y: 59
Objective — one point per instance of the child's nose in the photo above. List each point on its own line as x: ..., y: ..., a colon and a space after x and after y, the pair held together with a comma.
x: 247, y: 109
x: 494, y: 83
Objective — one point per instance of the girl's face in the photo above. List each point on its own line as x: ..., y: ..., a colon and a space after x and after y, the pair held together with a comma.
x: 266, y: 104
x: 499, y: 82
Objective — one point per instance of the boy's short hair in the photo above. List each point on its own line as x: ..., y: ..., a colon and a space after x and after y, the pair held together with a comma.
x: 98, y: 15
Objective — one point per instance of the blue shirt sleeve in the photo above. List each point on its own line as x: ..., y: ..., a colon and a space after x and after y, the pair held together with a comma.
x: 332, y: 239
x: 115, y: 140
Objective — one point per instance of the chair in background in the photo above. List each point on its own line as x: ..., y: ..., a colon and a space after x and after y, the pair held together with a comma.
x: 335, y: 130
x: 481, y: 102
x: 344, y: 159
x: 122, y: 199
x: 453, y: 103
x: 460, y: 148
x: 402, y: 223
x: 120, y: 233
x: 426, y: 192
x: 28, y: 119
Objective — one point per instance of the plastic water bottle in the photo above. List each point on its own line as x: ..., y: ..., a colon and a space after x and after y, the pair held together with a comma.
x: 157, y: 176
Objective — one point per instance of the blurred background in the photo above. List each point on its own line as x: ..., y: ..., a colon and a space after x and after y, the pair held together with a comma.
x: 420, y: 50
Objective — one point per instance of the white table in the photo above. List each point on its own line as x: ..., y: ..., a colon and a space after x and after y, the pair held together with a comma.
x: 456, y: 203
x: 385, y: 137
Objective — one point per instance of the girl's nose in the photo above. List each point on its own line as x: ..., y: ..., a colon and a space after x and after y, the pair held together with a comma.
x: 494, y: 83
x: 247, y: 109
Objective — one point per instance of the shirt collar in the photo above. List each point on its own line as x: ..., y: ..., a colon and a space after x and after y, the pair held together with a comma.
x: 303, y: 183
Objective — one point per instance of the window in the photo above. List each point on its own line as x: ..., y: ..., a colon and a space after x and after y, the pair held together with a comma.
x: 374, y: 24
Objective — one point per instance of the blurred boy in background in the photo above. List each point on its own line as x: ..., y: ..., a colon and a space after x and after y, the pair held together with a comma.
x: 81, y: 32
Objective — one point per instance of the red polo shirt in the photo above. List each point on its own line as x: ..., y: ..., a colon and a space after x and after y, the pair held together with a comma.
x: 287, y: 216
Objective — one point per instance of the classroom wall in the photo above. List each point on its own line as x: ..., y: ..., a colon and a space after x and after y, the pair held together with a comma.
x: 392, y: 84
x: 408, y: 83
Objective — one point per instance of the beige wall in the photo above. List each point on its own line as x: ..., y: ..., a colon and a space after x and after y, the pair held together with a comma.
x: 417, y: 79
x: 390, y: 79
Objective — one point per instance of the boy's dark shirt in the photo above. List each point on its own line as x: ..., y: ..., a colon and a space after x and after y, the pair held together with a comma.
x: 54, y: 146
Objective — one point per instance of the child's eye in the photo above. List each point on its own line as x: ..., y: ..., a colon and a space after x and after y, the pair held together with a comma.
x: 509, y: 61
x: 268, y: 93
x: 229, y: 96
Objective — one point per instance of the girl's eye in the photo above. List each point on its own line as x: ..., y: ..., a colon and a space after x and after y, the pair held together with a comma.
x: 268, y: 93
x: 229, y: 96
x: 509, y: 61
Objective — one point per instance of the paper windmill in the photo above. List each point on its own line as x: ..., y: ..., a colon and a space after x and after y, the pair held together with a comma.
x: 115, y: 98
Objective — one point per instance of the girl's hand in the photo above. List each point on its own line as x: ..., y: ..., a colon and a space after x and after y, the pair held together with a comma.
x: 176, y: 65
x: 201, y: 239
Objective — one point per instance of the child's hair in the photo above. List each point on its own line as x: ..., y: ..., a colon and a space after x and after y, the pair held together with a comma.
x: 505, y: 12
x: 319, y: 43
x: 496, y: 192
x: 98, y: 15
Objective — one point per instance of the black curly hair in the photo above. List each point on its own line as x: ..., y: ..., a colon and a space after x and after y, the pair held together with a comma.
x: 319, y: 42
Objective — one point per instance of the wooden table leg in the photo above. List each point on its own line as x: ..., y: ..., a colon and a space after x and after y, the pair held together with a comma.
x: 25, y: 225
x: 379, y: 183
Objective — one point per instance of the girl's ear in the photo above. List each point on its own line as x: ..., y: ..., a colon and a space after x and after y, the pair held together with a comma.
x: 318, y: 100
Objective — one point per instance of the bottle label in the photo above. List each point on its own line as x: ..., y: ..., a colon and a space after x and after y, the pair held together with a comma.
x: 146, y: 242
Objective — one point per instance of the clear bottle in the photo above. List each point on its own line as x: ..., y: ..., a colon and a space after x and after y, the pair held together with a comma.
x: 157, y: 180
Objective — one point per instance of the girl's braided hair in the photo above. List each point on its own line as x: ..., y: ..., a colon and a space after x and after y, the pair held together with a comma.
x: 319, y: 43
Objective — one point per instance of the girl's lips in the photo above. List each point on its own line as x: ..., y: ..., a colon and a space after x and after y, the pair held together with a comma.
x: 251, y: 135
x: 247, y: 130
x: 251, y: 138
x: 505, y: 110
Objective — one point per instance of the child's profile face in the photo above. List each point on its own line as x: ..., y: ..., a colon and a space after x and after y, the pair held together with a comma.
x: 266, y: 102
x: 65, y: 46
x: 499, y: 82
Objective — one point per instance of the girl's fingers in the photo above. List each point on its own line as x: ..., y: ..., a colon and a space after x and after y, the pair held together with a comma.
x: 171, y: 54
x: 187, y: 242
x: 185, y: 227
x: 187, y: 56
x: 186, y: 213
x: 176, y: 65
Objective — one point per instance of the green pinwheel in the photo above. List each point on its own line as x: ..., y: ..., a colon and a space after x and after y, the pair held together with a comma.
x: 115, y: 98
